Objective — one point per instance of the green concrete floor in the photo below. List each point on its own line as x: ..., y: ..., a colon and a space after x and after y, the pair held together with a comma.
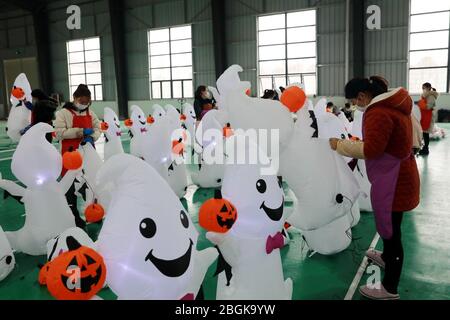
x: 426, y: 235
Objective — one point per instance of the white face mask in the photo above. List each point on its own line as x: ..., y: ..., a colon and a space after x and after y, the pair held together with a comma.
x: 81, y: 107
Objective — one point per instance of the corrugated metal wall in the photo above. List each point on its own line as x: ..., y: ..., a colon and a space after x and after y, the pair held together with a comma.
x: 386, y: 49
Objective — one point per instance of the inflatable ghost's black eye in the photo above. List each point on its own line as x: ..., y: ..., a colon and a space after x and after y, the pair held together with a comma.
x: 147, y: 228
x: 261, y: 186
x: 184, y: 219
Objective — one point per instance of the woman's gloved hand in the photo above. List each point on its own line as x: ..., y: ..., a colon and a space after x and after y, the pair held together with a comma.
x: 88, y: 139
x: 88, y: 131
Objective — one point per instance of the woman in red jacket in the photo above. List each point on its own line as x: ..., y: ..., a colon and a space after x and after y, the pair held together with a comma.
x: 391, y: 168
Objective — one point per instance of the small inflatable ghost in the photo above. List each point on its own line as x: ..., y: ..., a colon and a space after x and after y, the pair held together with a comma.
x: 190, y: 118
x: 360, y: 171
x: 7, y: 260
x: 157, y: 149
x: 113, y: 133
x: 158, y: 112
x: 148, y: 241
x: 19, y: 116
x: 37, y: 164
x: 212, y: 159
x: 138, y: 130
x: 59, y: 244
x: 324, y: 186
x: 251, y: 247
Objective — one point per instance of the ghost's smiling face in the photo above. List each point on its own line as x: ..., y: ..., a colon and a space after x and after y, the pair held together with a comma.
x: 113, y: 122
x: 139, y: 121
x: 259, y: 200
x: 175, y: 266
x: 158, y: 112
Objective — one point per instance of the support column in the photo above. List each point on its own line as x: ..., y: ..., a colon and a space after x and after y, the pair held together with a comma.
x: 117, y: 19
x: 219, y: 28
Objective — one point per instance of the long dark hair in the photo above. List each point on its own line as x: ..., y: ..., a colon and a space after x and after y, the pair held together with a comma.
x: 198, y: 92
x: 428, y: 86
x: 374, y: 86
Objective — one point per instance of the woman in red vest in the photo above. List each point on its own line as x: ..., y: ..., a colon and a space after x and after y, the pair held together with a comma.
x: 391, y: 168
x: 75, y: 124
x: 427, y: 105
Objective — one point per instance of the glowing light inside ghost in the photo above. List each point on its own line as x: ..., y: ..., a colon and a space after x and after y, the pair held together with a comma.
x: 150, y: 254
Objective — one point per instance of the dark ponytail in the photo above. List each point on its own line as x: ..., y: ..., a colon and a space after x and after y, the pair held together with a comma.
x: 374, y: 86
x: 428, y: 86
x: 82, y: 91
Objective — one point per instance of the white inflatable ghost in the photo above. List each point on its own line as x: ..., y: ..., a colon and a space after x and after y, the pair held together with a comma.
x: 113, y: 133
x: 61, y: 243
x: 360, y: 171
x: 157, y: 150
x: 37, y: 164
x: 138, y: 129
x: 85, y: 183
x: 158, y: 112
x: 324, y: 186
x: 19, y: 116
x: 251, y: 247
x: 249, y: 113
x: 211, y: 159
x: 148, y: 241
x: 7, y: 260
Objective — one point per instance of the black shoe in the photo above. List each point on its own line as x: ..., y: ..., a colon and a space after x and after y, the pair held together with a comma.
x: 424, y: 152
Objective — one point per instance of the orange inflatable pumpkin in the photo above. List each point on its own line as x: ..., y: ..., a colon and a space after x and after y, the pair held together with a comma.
x: 218, y: 214
x: 293, y: 98
x: 94, y: 212
x: 104, y: 126
x: 178, y: 146
x: 74, y: 275
x: 150, y: 120
x: 183, y: 117
x: 227, y: 131
x: 72, y: 159
x: 128, y: 123
x: 18, y: 93
x: 248, y: 92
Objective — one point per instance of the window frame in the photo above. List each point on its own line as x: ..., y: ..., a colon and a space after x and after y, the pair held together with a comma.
x: 286, y: 60
x: 410, y: 33
x: 94, y: 86
x: 171, y: 80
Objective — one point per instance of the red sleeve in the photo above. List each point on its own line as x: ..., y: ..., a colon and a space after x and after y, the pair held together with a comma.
x: 378, y: 128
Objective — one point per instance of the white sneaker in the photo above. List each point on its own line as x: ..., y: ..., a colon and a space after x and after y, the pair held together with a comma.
x: 376, y: 257
x: 377, y: 294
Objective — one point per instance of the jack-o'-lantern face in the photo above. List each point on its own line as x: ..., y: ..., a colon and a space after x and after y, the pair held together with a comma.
x: 74, y: 275
x: 218, y: 214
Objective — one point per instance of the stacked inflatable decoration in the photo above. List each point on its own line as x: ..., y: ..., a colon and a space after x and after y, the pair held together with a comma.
x: 19, y: 116
x: 324, y: 186
x: 138, y: 128
x: 151, y: 253
x: 253, y: 269
x: 325, y: 216
x: 37, y: 164
x: 7, y: 260
x: 113, y: 133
